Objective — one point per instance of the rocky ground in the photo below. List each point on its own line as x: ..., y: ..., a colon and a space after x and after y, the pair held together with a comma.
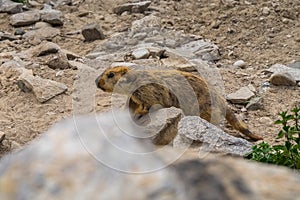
x: 259, y: 33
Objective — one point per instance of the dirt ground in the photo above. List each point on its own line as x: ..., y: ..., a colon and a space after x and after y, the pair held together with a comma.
x: 261, y: 33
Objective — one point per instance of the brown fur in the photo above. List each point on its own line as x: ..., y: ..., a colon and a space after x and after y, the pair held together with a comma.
x: 170, y: 88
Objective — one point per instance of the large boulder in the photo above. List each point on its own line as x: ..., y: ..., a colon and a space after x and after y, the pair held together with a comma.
x: 100, y: 157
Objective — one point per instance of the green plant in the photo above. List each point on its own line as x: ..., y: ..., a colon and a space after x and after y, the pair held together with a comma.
x: 287, y: 154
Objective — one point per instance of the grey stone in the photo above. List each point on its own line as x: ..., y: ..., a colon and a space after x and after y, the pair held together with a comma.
x: 92, y: 32
x: 213, y: 138
x: 25, y: 18
x: 7, y: 36
x: 99, y: 150
x: 54, y: 17
x: 255, y: 103
x: 140, y: 53
x: 10, y: 7
x: 240, y: 96
x: 202, y: 48
x: 57, y: 61
x: 43, y: 89
x: 45, y: 48
x: 15, y: 66
x: 52, y: 161
x: 294, y: 65
x: 240, y: 64
x: 150, y: 21
x: 39, y: 25
x: 279, y: 68
x: 71, y: 55
x: 138, y: 7
x: 283, y: 79
x: 19, y: 31
x: 45, y: 33
x: 161, y: 125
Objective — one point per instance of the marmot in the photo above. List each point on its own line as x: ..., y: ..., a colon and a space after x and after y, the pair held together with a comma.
x: 169, y: 88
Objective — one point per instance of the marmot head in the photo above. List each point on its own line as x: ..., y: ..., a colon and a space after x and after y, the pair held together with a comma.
x: 110, y: 77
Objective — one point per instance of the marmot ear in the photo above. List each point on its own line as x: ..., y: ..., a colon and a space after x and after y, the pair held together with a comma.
x: 129, y: 77
x: 124, y: 71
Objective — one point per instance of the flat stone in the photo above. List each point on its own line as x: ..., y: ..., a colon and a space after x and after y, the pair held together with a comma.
x: 140, y: 53
x: 46, y: 48
x: 45, y: 33
x: 7, y: 36
x: 10, y: 7
x: 54, y: 17
x: 195, y: 129
x: 25, y: 18
x: 279, y: 68
x: 283, y: 79
x: 138, y: 7
x: 240, y: 96
x: 161, y: 125
x: 43, y: 89
x: 92, y: 32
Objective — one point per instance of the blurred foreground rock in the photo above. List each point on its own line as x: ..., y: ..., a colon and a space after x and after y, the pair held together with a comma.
x: 102, y: 157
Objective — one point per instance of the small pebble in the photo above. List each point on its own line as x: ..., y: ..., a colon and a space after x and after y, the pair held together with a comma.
x: 240, y: 64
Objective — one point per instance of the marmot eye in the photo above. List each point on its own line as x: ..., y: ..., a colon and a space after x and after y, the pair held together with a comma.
x: 110, y: 75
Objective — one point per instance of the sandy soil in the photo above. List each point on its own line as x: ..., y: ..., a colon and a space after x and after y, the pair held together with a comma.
x: 261, y: 33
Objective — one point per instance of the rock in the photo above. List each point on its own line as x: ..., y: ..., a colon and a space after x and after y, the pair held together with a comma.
x: 240, y: 64
x: 140, y: 53
x: 70, y: 55
x: 61, y: 150
x: 255, y: 103
x: 10, y: 7
x: 43, y: 89
x: 57, y: 61
x: 45, y: 48
x: 195, y: 129
x: 161, y: 125
x: 279, y: 68
x: 125, y: 64
x: 266, y: 11
x: 19, y: 31
x: 150, y: 21
x: 15, y: 66
x: 37, y: 36
x: 283, y: 79
x: 203, y: 48
x: 51, y: 16
x: 58, y: 3
x: 39, y: 25
x: 92, y: 32
x: 138, y: 7
x: 240, y: 96
x: 294, y: 65
x: 7, y: 36
x: 99, y: 150
x: 252, y: 88
x: 25, y: 18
